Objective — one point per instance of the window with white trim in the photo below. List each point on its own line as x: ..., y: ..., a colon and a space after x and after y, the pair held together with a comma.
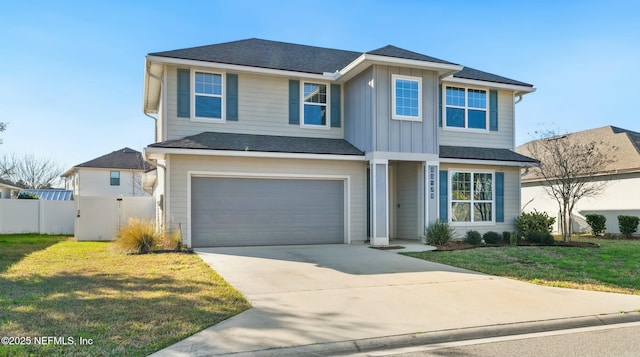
x: 406, y: 97
x: 465, y: 108
x: 114, y: 177
x: 315, y: 107
x: 472, y: 196
x: 207, y: 98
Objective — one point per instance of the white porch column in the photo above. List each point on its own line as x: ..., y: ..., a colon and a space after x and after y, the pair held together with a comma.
x: 431, y: 169
x: 379, y: 171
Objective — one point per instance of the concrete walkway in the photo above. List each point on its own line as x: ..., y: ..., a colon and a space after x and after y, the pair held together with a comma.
x: 333, y: 299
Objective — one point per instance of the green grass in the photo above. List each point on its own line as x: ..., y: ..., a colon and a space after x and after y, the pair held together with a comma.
x: 614, y: 267
x: 128, y: 305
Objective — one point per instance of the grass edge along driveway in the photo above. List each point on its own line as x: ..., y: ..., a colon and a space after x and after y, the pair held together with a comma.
x: 54, y: 286
x: 613, y: 267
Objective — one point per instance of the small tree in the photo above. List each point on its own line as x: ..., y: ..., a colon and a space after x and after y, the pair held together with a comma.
x: 628, y: 225
x: 569, y: 168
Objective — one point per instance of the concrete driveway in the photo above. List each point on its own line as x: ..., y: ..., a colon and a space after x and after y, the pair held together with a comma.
x: 303, y: 295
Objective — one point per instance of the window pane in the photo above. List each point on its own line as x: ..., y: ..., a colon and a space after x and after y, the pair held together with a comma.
x: 315, y: 115
x: 460, y: 212
x: 209, y: 107
x: 477, y: 119
x: 461, y: 186
x: 315, y: 93
x: 482, y: 212
x: 208, y: 83
x: 455, y: 96
x: 477, y: 98
x: 407, y: 99
x: 482, y: 187
x: 455, y: 117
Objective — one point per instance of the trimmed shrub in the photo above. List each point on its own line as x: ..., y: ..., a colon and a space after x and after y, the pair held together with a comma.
x: 540, y: 237
x: 28, y: 196
x: 473, y: 238
x: 534, y: 222
x: 439, y: 233
x: 492, y: 238
x: 628, y: 225
x: 597, y: 222
x: 137, y: 236
x: 506, y: 237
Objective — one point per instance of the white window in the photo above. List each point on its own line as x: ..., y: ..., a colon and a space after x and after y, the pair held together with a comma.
x: 406, y: 98
x: 115, y: 178
x: 315, y: 107
x: 472, y: 196
x: 207, y: 98
x: 465, y: 108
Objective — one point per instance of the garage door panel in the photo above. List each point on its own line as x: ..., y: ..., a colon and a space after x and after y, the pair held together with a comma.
x: 252, y: 211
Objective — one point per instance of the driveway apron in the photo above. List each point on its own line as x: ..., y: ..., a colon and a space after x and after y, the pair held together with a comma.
x: 304, y: 295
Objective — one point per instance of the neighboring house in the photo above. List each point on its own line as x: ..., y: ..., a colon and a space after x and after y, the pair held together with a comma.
x: 8, y: 189
x: 622, y: 177
x: 264, y: 143
x: 119, y: 173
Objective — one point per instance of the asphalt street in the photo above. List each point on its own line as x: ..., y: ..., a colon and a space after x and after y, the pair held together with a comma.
x: 613, y: 340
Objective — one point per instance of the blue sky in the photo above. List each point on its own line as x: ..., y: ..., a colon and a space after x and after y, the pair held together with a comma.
x: 71, y: 72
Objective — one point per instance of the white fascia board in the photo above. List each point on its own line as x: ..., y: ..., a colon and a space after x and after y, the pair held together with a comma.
x: 152, y: 86
x: 240, y: 68
x: 153, y: 153
x: 487, y: 162
x: 474, y: 82
x: 367, y: 59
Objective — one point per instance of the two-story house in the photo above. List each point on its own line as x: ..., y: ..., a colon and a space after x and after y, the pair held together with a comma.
x: 119, y: 173
x: 265, y: 143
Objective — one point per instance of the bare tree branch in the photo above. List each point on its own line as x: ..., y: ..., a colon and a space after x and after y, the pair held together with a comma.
x: 569, y: 169
x: 29, y: 170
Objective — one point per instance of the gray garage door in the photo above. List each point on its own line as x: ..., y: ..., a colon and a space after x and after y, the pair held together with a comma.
x: 250, y: 211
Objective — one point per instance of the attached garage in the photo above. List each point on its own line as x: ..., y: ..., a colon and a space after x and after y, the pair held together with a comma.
x: 237, y: 211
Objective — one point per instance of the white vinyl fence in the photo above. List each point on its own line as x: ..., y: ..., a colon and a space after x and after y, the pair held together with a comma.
x: 100, y: 218
x: 36, y: 216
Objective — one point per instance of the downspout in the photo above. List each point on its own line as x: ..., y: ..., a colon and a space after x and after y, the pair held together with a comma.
x: 519, y: 95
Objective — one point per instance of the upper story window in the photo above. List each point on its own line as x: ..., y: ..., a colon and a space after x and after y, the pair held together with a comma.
x: 207, y: 99
x: 406, y: 98
x: 115, y: 178
x: 472, y: 197
x: 315, y: 111
x: 465, y: 108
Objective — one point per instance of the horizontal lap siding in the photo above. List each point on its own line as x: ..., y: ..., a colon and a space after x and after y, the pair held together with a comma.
x: 502, y: 139
x: 511, y: 199
x: 263, y: 108
x: 180, y: 165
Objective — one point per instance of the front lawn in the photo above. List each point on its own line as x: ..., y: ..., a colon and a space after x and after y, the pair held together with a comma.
x: 90, y: 301
x: 613, y: 267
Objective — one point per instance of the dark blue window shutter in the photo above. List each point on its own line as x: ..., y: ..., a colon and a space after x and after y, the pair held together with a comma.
x: 184, y: 100
x: 440, y: 105
x: 335, y: 106
x: 444, y: 196
x: 294, y: 101
x: 499, y: 196
x: 232, y: 97
x: 493, y: 110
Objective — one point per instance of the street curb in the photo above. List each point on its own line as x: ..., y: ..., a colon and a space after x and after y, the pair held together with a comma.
x: 451, y: 335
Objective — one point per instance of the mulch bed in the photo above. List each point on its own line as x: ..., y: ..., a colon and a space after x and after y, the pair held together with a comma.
x: 459, y: 244
x: 388, y: 247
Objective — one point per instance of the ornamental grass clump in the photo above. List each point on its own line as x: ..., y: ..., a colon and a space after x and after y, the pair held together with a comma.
x: 137, y: 237
x: 439, y: 233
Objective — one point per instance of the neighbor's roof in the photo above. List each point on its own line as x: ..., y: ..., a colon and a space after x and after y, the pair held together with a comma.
x: 487, y: 154
x: 620, y: 145
x: 124, y: 159
x: 10, y: 184
x: 308, y: 59
x: 51, y: 194
x: 261, y: 143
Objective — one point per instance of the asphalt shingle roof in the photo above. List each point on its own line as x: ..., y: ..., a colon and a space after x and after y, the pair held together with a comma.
x: 9, y: 183
x: 260, y: 53
x: 261, y: 143
x: 474, y: 153
x: 125, y: 158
